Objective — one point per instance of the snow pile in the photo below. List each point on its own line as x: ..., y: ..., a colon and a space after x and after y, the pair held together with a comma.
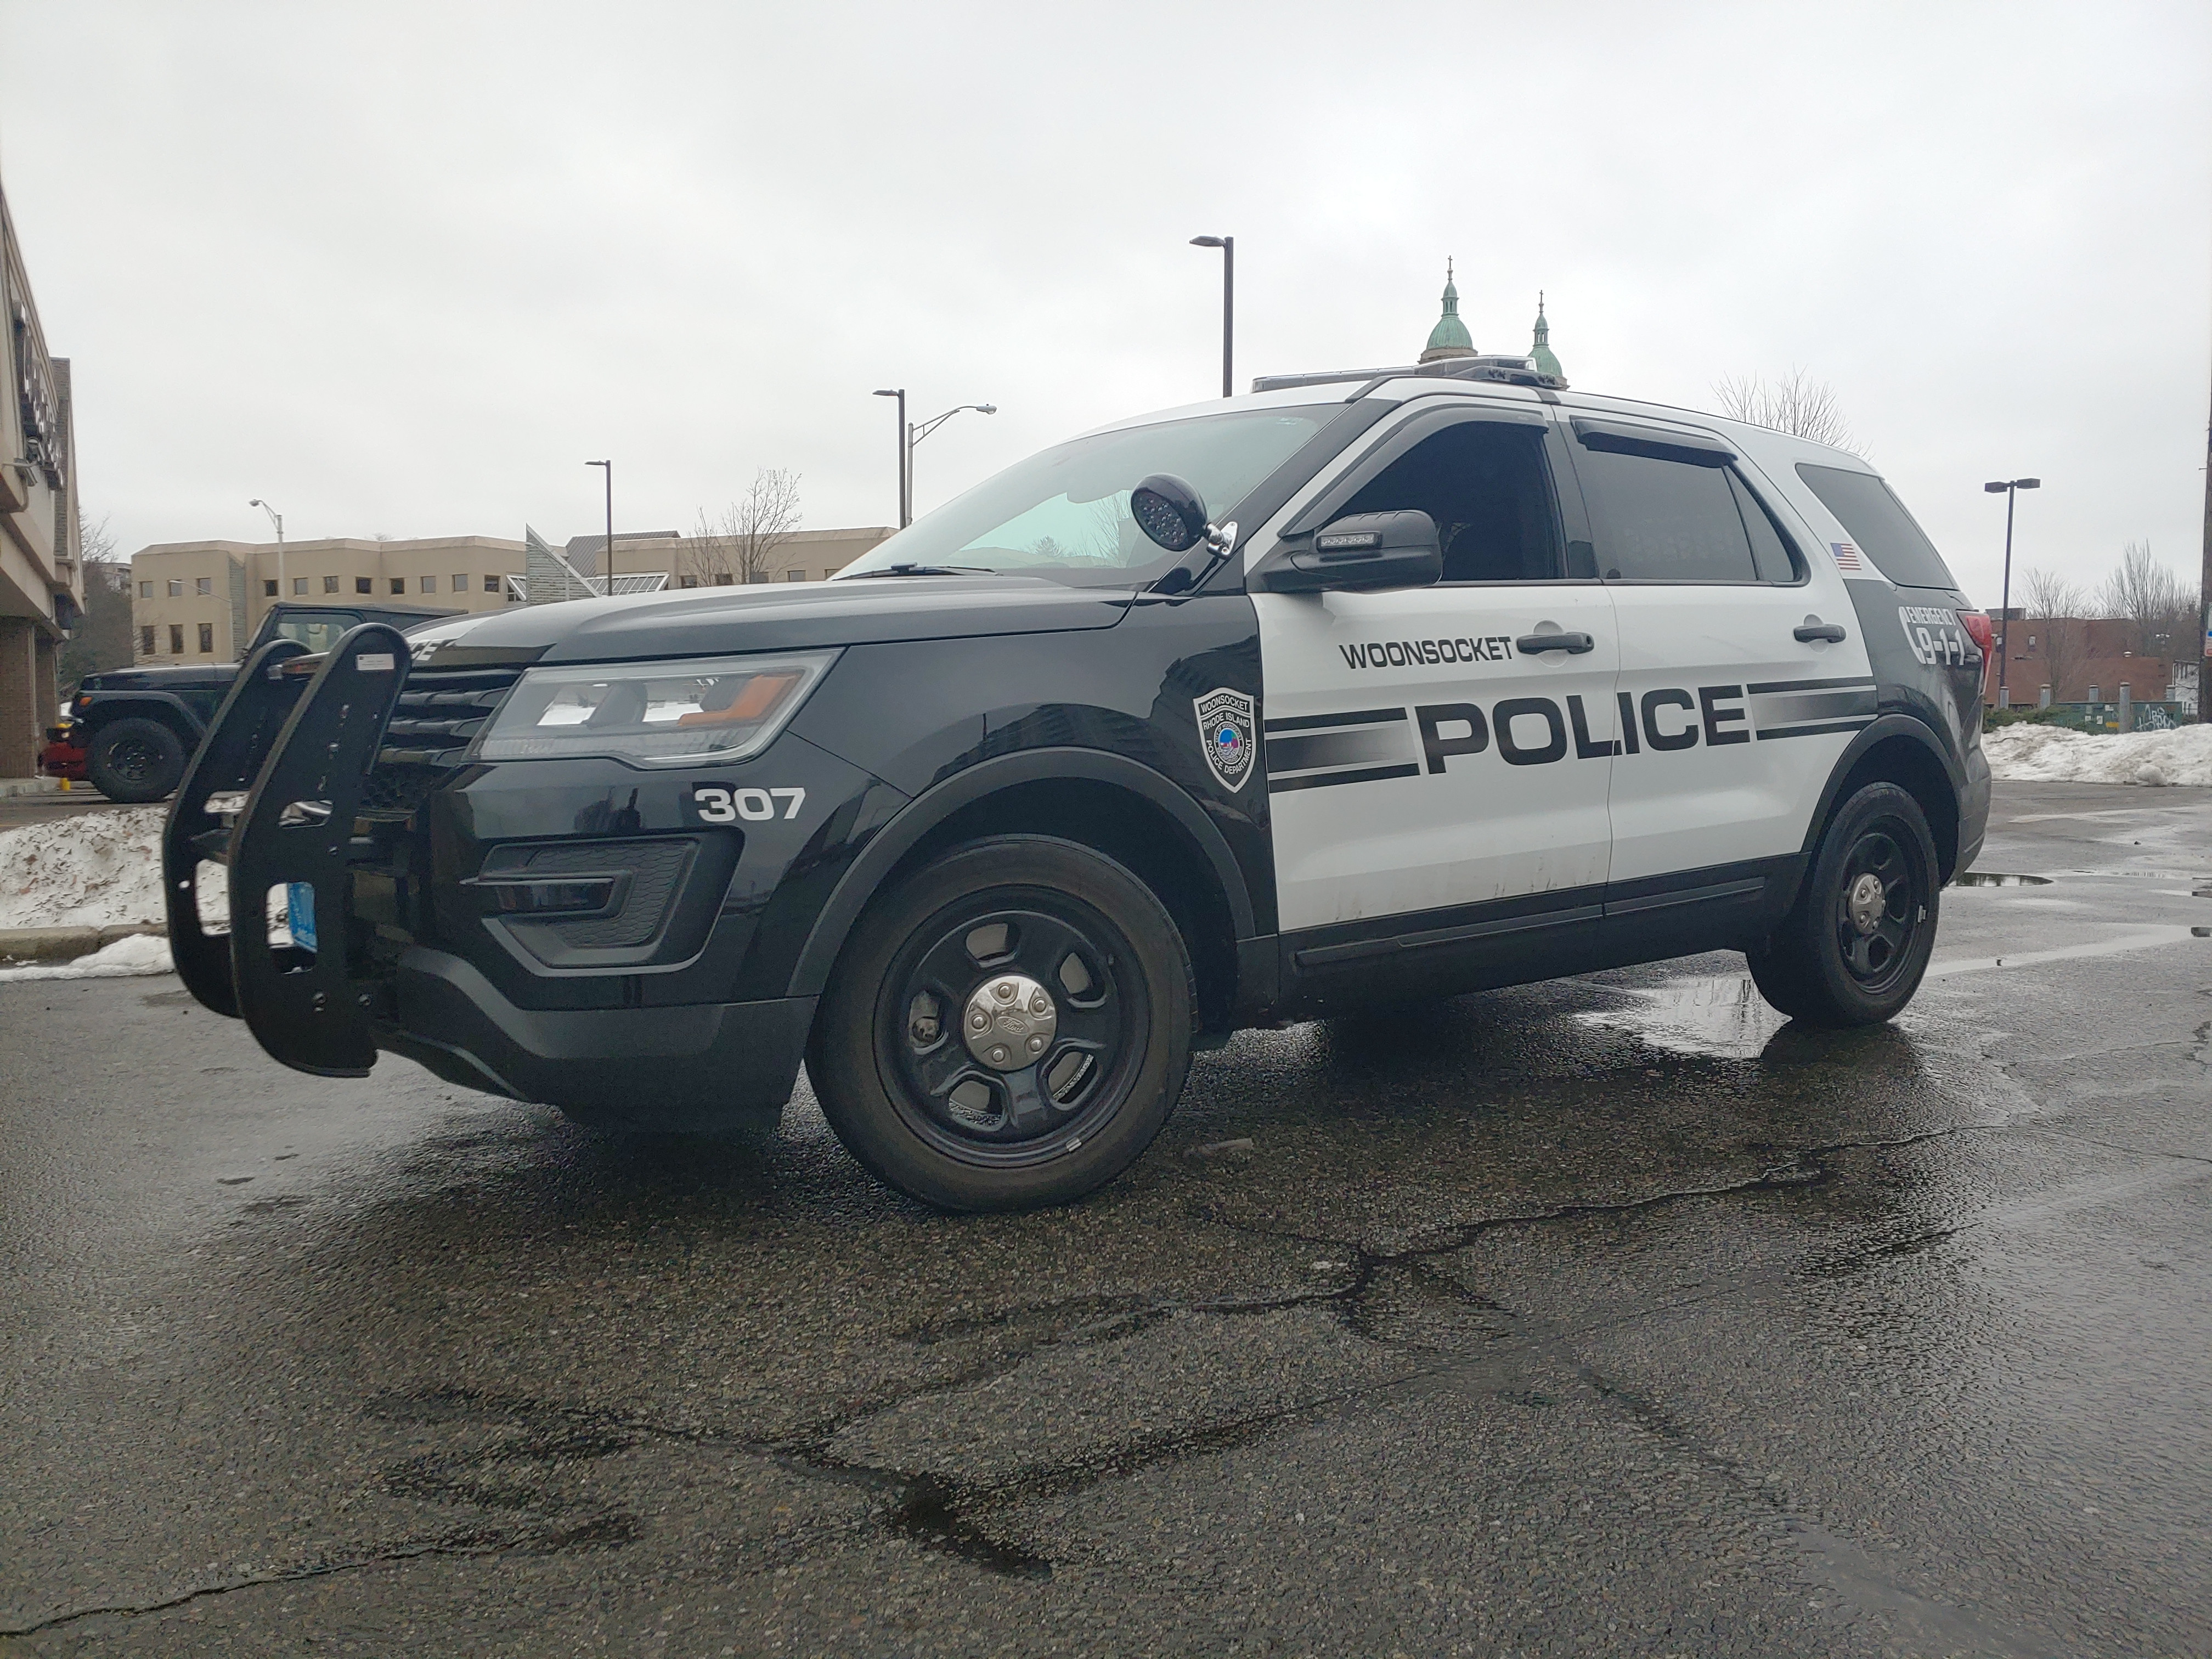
x: 139, y: 953
x: 2052, y: 754
x: 93, y: 870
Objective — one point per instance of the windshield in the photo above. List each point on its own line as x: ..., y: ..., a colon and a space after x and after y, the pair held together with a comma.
x: 1065, y: 512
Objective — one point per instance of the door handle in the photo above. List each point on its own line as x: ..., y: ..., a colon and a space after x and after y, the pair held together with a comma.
x: 1530, y: 644
x: 1807, y: 632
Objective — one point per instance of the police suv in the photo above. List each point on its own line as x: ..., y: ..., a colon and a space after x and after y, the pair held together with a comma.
x: 1360, y: 688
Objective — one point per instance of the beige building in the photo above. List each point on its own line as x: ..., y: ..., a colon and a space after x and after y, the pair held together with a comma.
x: 42, y: 572
x: 201, y: 601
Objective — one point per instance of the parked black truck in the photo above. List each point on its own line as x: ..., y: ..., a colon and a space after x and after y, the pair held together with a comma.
x: 131, y: 732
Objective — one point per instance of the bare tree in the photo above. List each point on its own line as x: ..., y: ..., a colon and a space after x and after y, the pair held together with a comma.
x: 102, y: 639
x: 2160, y: 612
x: 740, y: 546
x: 1797, y: 403
x: 2054, y: 606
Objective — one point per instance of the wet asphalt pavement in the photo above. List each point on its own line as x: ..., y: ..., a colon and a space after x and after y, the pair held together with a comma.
x: 1608, y: 1316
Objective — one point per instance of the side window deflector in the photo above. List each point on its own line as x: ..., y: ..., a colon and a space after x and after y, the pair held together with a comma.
x: 1620, y: 438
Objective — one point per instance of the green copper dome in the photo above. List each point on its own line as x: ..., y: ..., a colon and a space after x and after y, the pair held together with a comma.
x: 1541, y: 352
x: 1449, y: 338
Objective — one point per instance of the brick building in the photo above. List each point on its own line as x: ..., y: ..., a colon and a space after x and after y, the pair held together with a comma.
x: 2075, y: 660
x: 201, y: 601
x: 42, y: 569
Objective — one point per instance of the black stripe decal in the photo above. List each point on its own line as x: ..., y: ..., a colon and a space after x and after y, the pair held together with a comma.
x: 1806, y: 685
x: 1817, y: 731
x: 1313, y: 722
x: 1365, y: 774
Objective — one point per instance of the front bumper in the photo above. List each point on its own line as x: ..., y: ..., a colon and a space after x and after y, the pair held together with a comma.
x: 701, y: 1063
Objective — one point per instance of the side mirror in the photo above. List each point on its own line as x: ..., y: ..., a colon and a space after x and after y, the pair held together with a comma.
x: 1168, y: 510
x: 1363, y: 550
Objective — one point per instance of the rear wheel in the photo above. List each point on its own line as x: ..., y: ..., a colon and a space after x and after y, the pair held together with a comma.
x: 1854, y: 948
x: 1009, y: 1027
x: 135, y: 759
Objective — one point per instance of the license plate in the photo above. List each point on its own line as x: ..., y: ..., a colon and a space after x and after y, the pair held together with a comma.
x: 300, y: 913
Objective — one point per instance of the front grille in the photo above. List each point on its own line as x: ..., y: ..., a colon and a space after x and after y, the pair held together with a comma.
x: 436, y: 718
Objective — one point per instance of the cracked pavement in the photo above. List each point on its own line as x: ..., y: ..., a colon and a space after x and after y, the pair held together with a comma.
x: 1607, y: 1316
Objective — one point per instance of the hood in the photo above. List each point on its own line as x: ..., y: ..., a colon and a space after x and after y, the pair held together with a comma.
x: 768, y: 616
x: 173, y: 678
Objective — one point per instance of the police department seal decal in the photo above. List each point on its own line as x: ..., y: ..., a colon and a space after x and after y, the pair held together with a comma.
x: 1225, y: 730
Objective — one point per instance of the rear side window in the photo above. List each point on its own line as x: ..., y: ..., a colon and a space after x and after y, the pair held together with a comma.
x: 1770, y: 548
x: 1664, y: 521
x: 1879, y: 524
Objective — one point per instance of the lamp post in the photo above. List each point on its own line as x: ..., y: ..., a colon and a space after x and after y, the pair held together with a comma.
x: 2009, y: 488
x: 921, y: 429
x: 608, y: 591
x: 1228, y: 246
x: 905, y: 464
x: 276, y: 519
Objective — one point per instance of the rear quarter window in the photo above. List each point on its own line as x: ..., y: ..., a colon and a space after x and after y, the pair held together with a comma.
x: 1877, y: 521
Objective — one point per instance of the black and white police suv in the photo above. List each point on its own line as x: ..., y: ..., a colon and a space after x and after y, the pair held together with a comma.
x: 1362, y: 687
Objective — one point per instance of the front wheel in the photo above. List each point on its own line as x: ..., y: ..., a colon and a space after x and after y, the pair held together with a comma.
x: 135, y: 759
x: 1853, y: 949
x: 1009, y: 1027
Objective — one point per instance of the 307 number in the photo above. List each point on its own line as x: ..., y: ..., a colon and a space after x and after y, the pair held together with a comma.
x: 715, y: 805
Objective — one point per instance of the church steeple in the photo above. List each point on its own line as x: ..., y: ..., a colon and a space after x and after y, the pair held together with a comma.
x: 1449, y: 338
x: 1539, y: 353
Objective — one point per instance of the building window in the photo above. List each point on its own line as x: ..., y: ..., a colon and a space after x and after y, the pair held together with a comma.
x: 724, y: 579
x: 687, y: 581
x: 430, y: 584
x: 176, y: 590
x: 145, y: 590
x: 146, y: 639
x: 268, y: 590
x: 2031, y: 641
x: 399, y: 584
x: 2092, y: 693
x: 329, y: 584
x: 176, y: 639
x: 300, y: 586
x: 207, y: 638
x: 491, y: 583
x: 203, y: 586
x: 364, y: 584
x: 461, y: 585
x: 794, y: 575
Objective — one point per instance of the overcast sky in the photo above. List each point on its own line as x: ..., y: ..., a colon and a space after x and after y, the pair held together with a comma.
x: 402, y: 268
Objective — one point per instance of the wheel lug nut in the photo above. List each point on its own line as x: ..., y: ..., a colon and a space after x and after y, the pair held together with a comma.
x: 999, y: 1055
x: 979, y: 1019
x: 1003, y: 991
x: 1036, y: 1045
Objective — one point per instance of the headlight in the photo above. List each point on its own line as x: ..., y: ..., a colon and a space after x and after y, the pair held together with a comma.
x: 654, y: 714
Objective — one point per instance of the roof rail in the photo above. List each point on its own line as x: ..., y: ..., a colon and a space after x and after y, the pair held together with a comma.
x: 1510, y: 371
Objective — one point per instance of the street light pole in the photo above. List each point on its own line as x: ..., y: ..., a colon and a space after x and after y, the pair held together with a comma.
x: 905, y: 461
x: 608, y: 591
x: 276, y: 519
x: 921, y: 429
x: 2010, y: 488
x: 1228, y: 246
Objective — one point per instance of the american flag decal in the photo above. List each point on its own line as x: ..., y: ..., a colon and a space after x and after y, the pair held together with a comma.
x: 1847, y: 556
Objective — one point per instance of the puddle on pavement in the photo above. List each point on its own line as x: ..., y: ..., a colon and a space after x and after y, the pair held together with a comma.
x: 1993, y: 878
x: 1724, y: 1015
x: 2140, y: 939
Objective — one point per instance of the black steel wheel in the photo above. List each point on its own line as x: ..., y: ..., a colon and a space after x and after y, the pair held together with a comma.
x: 1854, y: 948
x: 135, y: 759
x: 1009, y: 1027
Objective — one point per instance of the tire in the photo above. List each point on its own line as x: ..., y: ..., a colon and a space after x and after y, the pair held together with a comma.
x: 988, y: 930
x: 135, y: 760
x: 1854, y: 947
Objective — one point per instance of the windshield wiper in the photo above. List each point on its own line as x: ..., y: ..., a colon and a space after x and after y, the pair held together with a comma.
x: 927, y: 570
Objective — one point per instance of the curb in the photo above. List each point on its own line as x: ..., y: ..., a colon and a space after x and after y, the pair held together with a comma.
x: 19, y: 944
x: 12, y: 787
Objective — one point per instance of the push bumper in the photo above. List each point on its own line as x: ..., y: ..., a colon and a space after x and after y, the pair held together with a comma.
x: 685, y: 1068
